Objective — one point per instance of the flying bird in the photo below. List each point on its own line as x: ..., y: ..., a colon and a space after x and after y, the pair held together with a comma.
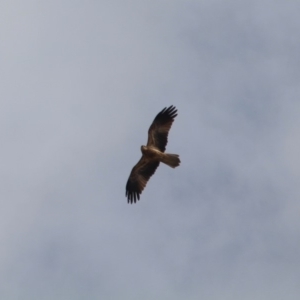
x: 153, y: 154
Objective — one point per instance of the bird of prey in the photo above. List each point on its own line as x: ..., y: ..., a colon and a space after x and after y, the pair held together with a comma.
x: 153, y: 154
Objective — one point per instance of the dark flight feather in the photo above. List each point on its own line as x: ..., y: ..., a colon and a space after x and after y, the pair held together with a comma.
x: 138, y: 178
x: 159, y: 129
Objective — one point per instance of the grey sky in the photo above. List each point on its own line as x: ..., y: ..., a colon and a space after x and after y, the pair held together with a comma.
x: 81, y: 81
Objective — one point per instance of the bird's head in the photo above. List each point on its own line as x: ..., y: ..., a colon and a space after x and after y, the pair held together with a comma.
x: 143, y: 148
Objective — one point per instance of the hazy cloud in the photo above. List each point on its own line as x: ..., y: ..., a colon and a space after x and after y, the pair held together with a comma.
x: 81, y: 83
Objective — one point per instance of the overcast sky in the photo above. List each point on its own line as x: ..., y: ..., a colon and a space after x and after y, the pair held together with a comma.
x: 81, y: 82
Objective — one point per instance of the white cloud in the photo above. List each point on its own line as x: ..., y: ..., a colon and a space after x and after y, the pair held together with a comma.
x: 81, y: 84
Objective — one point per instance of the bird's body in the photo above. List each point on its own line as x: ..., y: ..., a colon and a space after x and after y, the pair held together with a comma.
x: 153, y: 154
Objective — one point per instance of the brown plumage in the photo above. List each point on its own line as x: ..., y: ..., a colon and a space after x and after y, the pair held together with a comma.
x: 153, y: 154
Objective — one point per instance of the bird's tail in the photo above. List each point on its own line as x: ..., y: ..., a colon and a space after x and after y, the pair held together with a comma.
x: 172, y: 160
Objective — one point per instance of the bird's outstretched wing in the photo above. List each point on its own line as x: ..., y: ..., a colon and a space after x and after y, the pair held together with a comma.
x: 159, y: 129
x: 139, y: 177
